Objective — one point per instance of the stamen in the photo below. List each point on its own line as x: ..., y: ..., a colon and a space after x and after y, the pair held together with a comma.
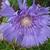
x: 26, y: 21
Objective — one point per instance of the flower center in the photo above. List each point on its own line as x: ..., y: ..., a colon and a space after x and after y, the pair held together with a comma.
x: 26, y: 21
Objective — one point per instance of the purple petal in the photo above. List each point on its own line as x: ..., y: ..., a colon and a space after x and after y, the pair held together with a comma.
x: 6, y: 2
x: 28, y: 41
x: 32, y: 9
x: 25, y: 4
x: 20, y: 3
x: 43, y: 35
x: 6, y: 11
x: 36, y: 10
x: 8, y: 31
x: 42, y: 11
x: 5, y: 26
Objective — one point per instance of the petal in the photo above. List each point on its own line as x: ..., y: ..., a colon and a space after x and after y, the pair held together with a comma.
x: 32, y: 9
x: 8, y: 32
x: 6, y: 10
x: 42, y: 11
x: 25, y: 4
x: 28, y: 41
x: 38, y: 10
x: 20, y: 3
x: 44, y: 34
x: 6, y: 2
x: 44, y: 20
x: 3, y: 27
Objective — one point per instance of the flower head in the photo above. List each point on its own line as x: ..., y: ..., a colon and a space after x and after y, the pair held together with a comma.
x: 28, y: 26
x: 26, y: 21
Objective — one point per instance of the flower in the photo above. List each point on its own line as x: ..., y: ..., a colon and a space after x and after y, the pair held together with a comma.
x: 28, y: 26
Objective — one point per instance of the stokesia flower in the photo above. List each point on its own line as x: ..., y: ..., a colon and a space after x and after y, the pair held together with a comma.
x: 28, y: 26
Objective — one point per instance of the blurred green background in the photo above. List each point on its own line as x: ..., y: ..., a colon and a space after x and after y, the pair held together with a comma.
x: 4, y: 45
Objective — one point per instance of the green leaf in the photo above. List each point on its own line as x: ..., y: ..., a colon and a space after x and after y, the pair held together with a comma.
x: 14, y: 4
x: 5, y: 46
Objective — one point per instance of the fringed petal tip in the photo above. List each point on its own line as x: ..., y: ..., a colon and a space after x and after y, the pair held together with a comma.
x: 6, y: 10
x: 6, y: 2
x: 28, y: 41
x: 22, y: 5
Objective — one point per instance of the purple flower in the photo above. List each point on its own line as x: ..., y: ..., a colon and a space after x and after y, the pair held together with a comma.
x: 28, y: 26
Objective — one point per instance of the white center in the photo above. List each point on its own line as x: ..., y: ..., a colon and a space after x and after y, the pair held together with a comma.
x: 26, y: 21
